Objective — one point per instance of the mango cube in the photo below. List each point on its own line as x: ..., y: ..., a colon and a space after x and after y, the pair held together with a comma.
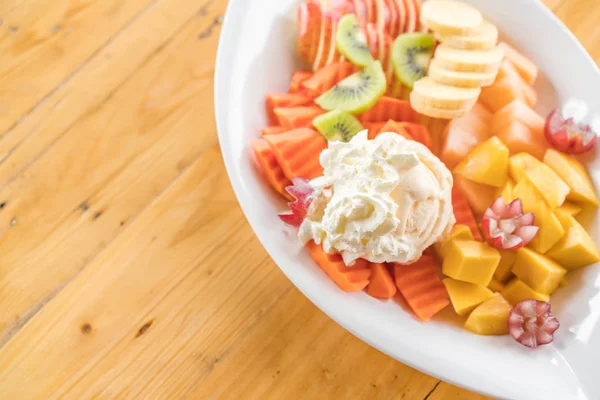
x: 479, y: 196
x: 537, y: 271
x: 551, y: 230
x: 491, y: 317
x: 519, y: 163
x: 471, y: 261
x: 506, y: 191
x: 466, y: 296
x: 576, y: 249
x: 553, y: 189
x: 496, y: 286
x: 487, y: 163
x: 574, y: 174
x: 504, y: 269
x: 459, y: 232
x: 516, y: 291
x: 569, y: 208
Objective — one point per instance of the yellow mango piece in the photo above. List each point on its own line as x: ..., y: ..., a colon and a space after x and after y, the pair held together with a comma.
x: 553, y: 189
x: 491, y: 317
x: 569, y: 208
x: 574, y: 174
x: 471, y: 261
x: 519, y: 163
x: 551, y: 230
x: 537, y: 271
x: 459, y: 232
x: 466, y: 296
x: 504, y: 269
x: 516, y: 291
x: 496, y: 286
x: 576, y: 249
x: 479, y: 196
x: 506, y: 191
x: 487, y: 163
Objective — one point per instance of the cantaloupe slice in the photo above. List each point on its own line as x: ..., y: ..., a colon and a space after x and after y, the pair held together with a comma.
x: 507, y: 68
x: 517, y: 110
x: 297, y: 152
x: 464, y: 134
x: 527, y: 68
x: 501, y: 93
x: 519, y: 138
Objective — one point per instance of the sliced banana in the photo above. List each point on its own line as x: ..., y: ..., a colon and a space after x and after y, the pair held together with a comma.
x: 427, y: 110
x: 485, y: 37
x: 461, y: 79
x: 468, y: 60
x: 428, y: 92
x: 448, y: 17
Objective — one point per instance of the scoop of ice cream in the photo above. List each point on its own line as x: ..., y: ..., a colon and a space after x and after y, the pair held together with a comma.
x: 384, y: 200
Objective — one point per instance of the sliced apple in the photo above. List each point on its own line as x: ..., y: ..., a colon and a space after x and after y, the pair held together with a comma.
x: 309, y: 30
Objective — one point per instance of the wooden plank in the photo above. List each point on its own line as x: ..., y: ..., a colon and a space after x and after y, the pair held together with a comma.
x: 446, y: 391
x: 298, y: 349
x: 43, y: 42
x: 582, y: 17
x: 159, y: 307
x: 92, y: 84
x: 107, y: 167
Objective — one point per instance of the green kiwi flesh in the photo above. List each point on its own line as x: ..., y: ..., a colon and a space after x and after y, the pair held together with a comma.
x: 351, y: 41
x: 337, y: 126
x: 357, y: 93
x: 411, y: 53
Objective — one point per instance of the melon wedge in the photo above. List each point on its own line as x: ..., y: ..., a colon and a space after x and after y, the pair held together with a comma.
x: 527, y: 68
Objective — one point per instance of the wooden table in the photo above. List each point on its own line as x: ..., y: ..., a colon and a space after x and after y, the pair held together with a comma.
x: 127, y: 269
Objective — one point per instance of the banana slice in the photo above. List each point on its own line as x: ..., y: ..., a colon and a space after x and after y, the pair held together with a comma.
x: 468, y: 60
x: 461, y: 79
x: 422, y: 108
x: 485, y: 37
x: 428, y: 92
x: 448, y: 17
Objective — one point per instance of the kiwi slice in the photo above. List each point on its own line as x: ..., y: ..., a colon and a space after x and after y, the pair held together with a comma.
x: 351, y: 41
x: 337, y: 126
x: 357, y: 93
x: 411, y: 53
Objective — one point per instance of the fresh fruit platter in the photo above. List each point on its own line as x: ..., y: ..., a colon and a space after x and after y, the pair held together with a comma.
x: 416, y: 166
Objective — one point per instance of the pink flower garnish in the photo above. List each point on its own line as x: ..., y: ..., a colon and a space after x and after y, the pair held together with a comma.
x: 532, y: 324
x: 303, y: 193
x: 505, y: 227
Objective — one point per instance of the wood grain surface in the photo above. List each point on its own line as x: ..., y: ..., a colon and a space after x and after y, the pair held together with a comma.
x: 127, y: 269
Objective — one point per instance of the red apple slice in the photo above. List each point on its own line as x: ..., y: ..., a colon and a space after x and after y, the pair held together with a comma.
x: 373, y: 39
x: 303, y: 193
x: 505, y: 227
x: 360, y: 9
x: 532, y: 324
x: 393, y: 26
x: 411, y: 16
x: 309, y: 30
x: 371, y: 11
x: 383, y: 15
x: 401, y: 9
x: 572, y: 130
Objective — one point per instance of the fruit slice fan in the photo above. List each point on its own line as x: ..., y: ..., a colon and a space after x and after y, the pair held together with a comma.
x: 502, y: 129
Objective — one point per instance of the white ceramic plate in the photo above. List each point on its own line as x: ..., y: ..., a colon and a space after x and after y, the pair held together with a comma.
x: 257, y: 55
